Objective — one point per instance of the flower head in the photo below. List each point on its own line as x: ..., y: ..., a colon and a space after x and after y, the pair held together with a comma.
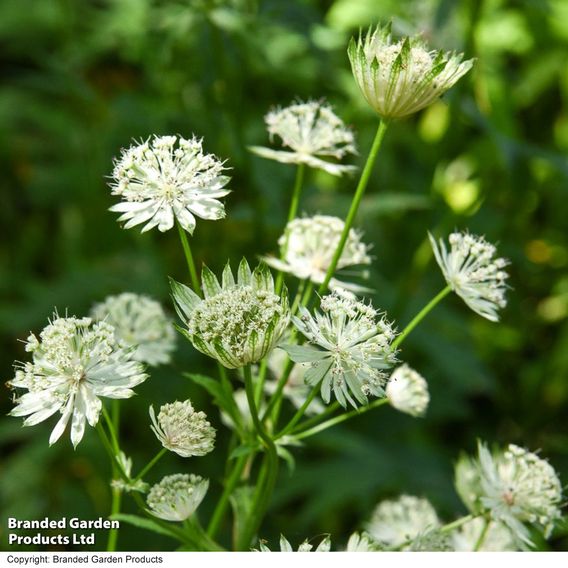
x: 74, y: 362
x: 177, y: 496
x: 285, y: 546
x: 497, y: 538
x: 516, y: 487
x: 238, y: 322
x: 398, y: 78
x: 167, y: 178
x: 308, y: 245
x: 141, y: 323
x: 355, y: 343
x: 473, y: 273
x: 407, y: 391
x: 310, y: 130
x: 182, y: 430
x: 396, y: 523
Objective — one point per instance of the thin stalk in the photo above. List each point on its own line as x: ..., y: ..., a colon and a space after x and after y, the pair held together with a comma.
x: 359, y: 192
x: 299, y: 295
x: 223, y: 502
x: 300, y: 412
x: 482, y: 536
x: 421, y: 315
x: 262, y: 498
x: 114, y: 510
x: 110, y: 425
x: 339, y: 419
x: 189, y: 259
x: 279, y: 388
x: 317, y: 419
x: 151, y: 464
x: 108, y: 447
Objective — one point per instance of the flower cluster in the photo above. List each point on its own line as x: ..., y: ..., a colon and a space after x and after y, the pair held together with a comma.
x: 238, y: 322
x: 355, y: 343
x: 310, y: 130
x: 182, y: 430
x: 74, y: 362
x: 307, y: 247
x: 407, y: 391
x: 141, y: 323
x: 177, y: 496
x: 398, y: 78
x: 168, y: 178
x: 473, y: 273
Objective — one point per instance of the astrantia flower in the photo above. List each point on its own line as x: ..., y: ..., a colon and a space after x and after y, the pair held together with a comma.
x: 497, y: 537
x: 398, y: 78
x: 177, y: 496
x: 308, y: 245
x: 397, y: 522
x: 141, y: 323
x: 361, y: 542
x: 473, y: 273
x: 168, y: 178
x: 355, y: 343
x: 285, y: 546
x: 310, y: 130
x: 238, y: 322
x: 517, y: 487
x: 407, y: 391
x: 182, y: 430
x: 74, y: 362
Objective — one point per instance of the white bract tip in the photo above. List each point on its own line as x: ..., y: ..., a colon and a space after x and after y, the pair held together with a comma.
x: 168, y: 178
x: 310, y: 130
x: 494, y: 538
x: 177, y: 496
x: 285, y: 546
x: 182, y: 430
x: 407, y: 391
x: 74, y: 362
x: 473, y: 272
x: 399, y: 78
x: 139, y: 322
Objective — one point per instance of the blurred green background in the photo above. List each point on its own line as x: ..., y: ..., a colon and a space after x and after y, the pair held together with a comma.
x: 84, y: 78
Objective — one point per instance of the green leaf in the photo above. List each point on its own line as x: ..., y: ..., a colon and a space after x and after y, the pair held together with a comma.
x: 146, y: 524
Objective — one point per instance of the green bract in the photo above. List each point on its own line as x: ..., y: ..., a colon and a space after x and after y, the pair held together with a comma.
x: 238, y: 322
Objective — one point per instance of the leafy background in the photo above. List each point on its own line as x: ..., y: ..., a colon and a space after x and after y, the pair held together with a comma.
x: 85, y: 78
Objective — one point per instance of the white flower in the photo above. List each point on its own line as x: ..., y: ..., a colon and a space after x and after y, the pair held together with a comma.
x: 139, y: 322
x: 356, y: 349
x: 518, y: 487
x: 167, y: 178
x: 497, y: 538
x: 402, y: 77
x: 308, y: 246
x: 74, y: 362
x: 177, y: 496
x: 395, y: 523
x: 182, y: 430
x: 407, y: 391
x: 473, y: 273
x: 130, y: 485
x: 361, y: 542
x: 285, y: 546
x: 310, y: 130
x: 238, y: 322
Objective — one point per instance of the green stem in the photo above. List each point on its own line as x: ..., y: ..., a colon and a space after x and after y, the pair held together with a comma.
x: 359, y: 192
x: 482, y: 536
x: 114, y: 510
x: 300, y: 412
x: 151, y: 464
x: 299, y: 295
x: 317, y: 419
x: 223, y: 502
x: 279, y: 388
x: 189, y: 259
x: 339, y: 419
x: 421, y: 315
x: 262, y: 497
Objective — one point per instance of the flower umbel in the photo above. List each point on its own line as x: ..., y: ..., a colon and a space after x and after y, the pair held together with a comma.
x: 177, y: 496
x: 310, y: 130
x: 167, y: 178
x: 398, y: 78
x: 182, y: 430
x: 308, y: 245
x: 239, y: 322
x: 355, y: 343
x: 407, y: 391
x: 141, y: 323
x: 74, y: 362
x: 473, y: 273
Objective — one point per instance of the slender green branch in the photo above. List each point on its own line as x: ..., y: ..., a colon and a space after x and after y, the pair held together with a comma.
x: 279, y: 388
x: 189, y: 259
x: 359, y: 192
x: 110, y: 425
x: 151, y: 464
x: 482, y: 535
x: 421, y: 315
x: 339, y: 419
x: 114, y: 510
x: 300, y: 412
x: 317, y: 419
